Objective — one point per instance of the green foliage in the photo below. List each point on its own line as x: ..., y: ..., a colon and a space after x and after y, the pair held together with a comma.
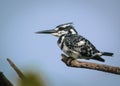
x: 31, y: 79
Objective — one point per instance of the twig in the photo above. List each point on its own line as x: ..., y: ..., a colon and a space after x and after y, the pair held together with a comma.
x: 20, y: 74
x: 80, y: 64
x: 4, y: 81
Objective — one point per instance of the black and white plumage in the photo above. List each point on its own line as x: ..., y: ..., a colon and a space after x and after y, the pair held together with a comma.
x: 75, y: 45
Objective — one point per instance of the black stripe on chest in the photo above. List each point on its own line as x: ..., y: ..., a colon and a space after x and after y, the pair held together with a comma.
x: 61, y: 41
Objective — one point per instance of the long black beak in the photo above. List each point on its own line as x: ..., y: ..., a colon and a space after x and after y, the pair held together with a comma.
x: 46, y: 31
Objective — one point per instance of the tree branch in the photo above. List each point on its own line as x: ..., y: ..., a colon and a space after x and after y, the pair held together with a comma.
x: 4, y: 81
x: 88, y: 65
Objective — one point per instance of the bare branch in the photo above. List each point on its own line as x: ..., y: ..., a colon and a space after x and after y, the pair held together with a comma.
x: 94, y: 66
x: 20, y: 74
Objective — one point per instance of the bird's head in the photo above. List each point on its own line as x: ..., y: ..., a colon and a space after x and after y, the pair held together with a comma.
x: 62, y: 29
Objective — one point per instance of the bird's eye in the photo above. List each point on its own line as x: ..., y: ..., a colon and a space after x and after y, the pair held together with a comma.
x: 60, y: 32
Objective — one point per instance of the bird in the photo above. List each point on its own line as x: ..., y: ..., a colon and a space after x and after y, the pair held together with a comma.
x: 75, y: 45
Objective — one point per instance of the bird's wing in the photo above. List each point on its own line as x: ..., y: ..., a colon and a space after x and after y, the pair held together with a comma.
x: 80, y: 44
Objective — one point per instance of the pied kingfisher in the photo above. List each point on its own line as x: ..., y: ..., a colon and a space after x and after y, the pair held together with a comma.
x: 75, y: 45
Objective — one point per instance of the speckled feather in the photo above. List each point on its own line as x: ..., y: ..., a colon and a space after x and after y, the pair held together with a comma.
x: 77, y: 43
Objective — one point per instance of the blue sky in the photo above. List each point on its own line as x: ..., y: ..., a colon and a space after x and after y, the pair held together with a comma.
x: 97, y: 20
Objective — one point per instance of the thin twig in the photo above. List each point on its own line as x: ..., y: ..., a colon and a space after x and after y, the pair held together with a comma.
x: 81, y: 64
x: 20, y: 74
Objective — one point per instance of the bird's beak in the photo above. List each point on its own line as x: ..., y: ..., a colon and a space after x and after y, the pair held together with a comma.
x: 46, y: 31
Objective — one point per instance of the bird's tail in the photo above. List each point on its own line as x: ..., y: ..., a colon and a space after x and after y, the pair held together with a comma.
x: 107, y: 54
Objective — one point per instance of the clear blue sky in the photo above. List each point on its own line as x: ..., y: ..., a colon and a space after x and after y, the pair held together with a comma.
x: 97, y: 20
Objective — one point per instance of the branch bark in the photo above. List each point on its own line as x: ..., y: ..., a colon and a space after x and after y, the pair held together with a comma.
x: 88, y: 65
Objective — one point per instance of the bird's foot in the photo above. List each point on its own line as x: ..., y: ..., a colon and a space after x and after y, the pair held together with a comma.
x: 67, y: 59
